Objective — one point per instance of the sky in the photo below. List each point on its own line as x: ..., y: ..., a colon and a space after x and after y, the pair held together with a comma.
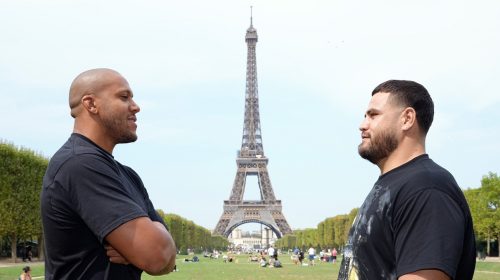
x: 317, y: 63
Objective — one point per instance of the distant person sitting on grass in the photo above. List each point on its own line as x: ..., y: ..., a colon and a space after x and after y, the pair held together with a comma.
x: 253, y: 258
x: 263, y: 262
x: 26, y: 274
x: 194, y: 259
x: 228, y: 258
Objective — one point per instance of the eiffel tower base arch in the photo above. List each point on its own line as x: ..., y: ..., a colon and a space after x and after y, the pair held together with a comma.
x: 236, y: 214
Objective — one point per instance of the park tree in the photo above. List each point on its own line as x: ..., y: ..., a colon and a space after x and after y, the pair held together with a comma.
x: 174, y: 224
x: 340, y: 222
x: 332, y: 232
x: 491, y: 187
x: 484, y: 203
x: 188, y: 228
x: 300, y: 237
x: 288, y: 241
x: 188, y: 235
x: 21, y: 175
x: 311, y: 237
x: 350, y: 220
x: 218, y: 242
x: 320, y: 233
x: 336, y: 229
x: 329, y: 233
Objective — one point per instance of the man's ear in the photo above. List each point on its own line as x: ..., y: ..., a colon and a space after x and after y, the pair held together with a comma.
x: 409, y: 118
x: 88, y: 102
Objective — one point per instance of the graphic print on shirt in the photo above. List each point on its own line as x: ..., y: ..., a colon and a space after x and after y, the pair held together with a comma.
x: 374, y: 207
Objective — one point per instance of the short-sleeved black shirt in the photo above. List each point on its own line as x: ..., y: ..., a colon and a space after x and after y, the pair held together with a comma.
x: 414, y: 218
x: 86, y: 194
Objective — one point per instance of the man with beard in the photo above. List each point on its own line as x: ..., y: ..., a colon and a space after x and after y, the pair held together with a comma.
x: 415, y: 223
x: 98, y: 220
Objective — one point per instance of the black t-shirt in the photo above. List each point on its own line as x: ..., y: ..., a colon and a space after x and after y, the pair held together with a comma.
x: 86, y: 194
x: 414, y: 218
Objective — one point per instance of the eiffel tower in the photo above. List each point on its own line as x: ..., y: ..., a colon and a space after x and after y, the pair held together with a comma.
x: 251, y: 161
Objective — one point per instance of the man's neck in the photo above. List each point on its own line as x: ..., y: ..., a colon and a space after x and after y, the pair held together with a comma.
x: 400, y: 156
x: 97, y: 137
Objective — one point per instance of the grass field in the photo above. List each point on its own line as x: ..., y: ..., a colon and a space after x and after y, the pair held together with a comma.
x: 212, y: 269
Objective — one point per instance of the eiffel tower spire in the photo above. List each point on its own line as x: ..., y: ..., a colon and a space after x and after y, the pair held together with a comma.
x: 251, y: 22
x: 251, y: 144
x: 252, y: 162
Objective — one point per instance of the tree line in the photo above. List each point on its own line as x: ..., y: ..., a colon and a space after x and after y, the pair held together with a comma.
x: 484, y: 203
x: 330, y: 233
x: 21, y: 175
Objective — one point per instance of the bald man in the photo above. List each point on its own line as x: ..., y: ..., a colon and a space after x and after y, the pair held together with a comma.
x: 98, y: 220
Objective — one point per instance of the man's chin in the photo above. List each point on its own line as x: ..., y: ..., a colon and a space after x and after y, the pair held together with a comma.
x: 128, y: 139
x: 366, y: 154
x: 363, y: 150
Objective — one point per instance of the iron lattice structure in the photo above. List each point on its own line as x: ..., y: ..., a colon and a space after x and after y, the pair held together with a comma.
x: 251, y: 161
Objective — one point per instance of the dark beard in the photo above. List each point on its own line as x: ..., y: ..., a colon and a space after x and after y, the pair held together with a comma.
x: 380, y: 147
x: 127, y: 138
x: 121, y: 136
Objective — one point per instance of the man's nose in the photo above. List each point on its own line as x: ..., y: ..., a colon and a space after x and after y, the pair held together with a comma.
x: 135, y: 107
x: 364, y: 124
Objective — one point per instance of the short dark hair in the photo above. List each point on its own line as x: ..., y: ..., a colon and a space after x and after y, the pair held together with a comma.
x: 26, y: 269
x: 410, y: 94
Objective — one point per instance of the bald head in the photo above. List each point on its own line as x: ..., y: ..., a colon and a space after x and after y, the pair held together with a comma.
x: 89, y: 82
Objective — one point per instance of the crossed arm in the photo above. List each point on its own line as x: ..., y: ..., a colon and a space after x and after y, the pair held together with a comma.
x: 145, y: 244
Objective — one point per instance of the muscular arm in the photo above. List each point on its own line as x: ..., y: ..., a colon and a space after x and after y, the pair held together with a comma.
x: 431, y: 274
x: 145, y: 244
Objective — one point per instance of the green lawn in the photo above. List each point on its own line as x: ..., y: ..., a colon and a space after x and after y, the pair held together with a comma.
x: 245, y: 270
x: 212, y: 269
x: 487, y: 270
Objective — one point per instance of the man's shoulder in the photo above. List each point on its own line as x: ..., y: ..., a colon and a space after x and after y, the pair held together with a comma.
x: 422, y: 181
x: 421, y: 176
x: 75, y: 153
x: 81, y: 145
x: 430, y: 176
x: 76, y: 145
x: 419, y: 172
